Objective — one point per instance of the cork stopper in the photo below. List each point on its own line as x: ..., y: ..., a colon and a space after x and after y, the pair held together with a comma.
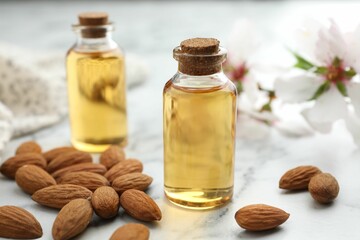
x: 93, y: 21
x: 200, y: 56
x: 93, y: 18
x: 200, y: 46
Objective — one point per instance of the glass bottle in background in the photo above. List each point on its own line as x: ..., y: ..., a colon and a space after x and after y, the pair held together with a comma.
x: 199, y: 114
x: 96, y: 86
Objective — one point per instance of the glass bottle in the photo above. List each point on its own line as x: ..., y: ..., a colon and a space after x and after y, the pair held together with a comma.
x: 96, y: 86
x: 199, y: 118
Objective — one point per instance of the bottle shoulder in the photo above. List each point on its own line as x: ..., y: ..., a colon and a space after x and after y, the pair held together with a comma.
x: 96, y: 45
x: 198, y: 84
x: 110, y: 53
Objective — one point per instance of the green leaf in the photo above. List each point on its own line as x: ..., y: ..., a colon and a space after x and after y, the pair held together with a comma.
x: 323, y: 88
x: 342, y: 88
x: 302, y: 63
x: 337, y: 62
x: 239, y: 87
x: 349, y: 73
x: 320, y: 70
x: 266, y: 107
x: 270, y: 93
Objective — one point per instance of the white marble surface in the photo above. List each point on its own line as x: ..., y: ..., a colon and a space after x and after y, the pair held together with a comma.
x: 153, y: 29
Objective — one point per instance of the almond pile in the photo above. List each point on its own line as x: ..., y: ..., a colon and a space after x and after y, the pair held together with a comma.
x: 66, y: 179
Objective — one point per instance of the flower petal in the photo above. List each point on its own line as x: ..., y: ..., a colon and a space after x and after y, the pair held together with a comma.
x: 291, y: 123
x: 250, y: 128
x: 307, y: 37
x: 353, y: 90
x: 297, y: 89
x: 331, y: 44
x: 353, y: 125
x: 252, y: 109
x: 353, y: 40
x: 293, y: 128
x: 328, y: 108
x: 250, y: 87
x: 243, y: 41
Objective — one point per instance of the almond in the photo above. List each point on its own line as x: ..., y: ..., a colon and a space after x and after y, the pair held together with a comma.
x: 111, y: 156
x: 54, y: 153
x: 82, y: 167
x: 68, y: 159
x: 58, y: 196
x: 90, y: 180
x: 128, y: 181
x: 31, y: 178
x: 72, y: 220
x: 298, y: 178
x: 324, y: 188
x: 105, y: 202
x: 131, y: 231
x: 17, y: 223
x: 140, y: 206
x: 260, y: 217
x: 28, y: 147
x: 124, y: 167
x: 11, y: 165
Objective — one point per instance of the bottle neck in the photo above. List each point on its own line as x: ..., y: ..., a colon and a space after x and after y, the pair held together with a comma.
x: 200, y: 69
x: 89, y: 44
x: 199, y: 64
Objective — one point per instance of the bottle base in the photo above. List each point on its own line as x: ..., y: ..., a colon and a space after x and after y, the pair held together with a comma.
x: 199, y: 199
x: 96, y: 147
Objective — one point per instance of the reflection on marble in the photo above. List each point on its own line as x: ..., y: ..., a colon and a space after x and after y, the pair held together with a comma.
x: 259, y: 162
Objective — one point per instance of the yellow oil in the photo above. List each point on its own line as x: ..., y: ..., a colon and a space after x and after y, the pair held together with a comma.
x: 199, y: 141
x: 97, y: 100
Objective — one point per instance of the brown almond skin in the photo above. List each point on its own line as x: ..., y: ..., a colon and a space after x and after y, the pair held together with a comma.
x: 128, y: 181
x: 11, y: 165
x: 131, y: 231
x: 111, y: 156
x: 91, y: 181
x: 17, y: 223
x: 55, y: 152
x: 31, y: 178
x: 68, y: 159
x: 58, y: 196
x: 124, y: 167
x: 82, y: 167
x: 72, y: 220
x: 324, y: 188
x: 260, y: 217
x: 140, y: 206
x: 105, y: 202
x: 29, y: 147
x: 298, y: 178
